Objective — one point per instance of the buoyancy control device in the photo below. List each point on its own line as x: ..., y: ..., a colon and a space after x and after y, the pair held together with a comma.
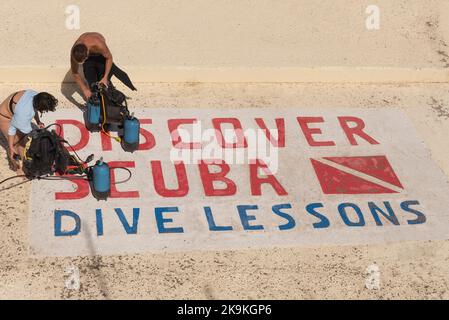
x: 107, y: 110
x: 45, y: 156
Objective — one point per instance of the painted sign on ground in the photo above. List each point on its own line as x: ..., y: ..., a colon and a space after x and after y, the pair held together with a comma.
x: 212, y: 179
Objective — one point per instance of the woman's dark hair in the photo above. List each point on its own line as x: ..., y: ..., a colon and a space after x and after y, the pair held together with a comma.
x: 44, y: 102
x: 79, y: 52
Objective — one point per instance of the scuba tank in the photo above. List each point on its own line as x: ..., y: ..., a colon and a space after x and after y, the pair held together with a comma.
x: 131, y: 133
x: 101, y: 180
x: 93, y: 112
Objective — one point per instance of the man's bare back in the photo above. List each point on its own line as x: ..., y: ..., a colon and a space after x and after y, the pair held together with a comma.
x: 94, y: 41
x: 94, y: 44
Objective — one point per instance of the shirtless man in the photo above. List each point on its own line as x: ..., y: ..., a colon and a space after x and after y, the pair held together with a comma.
x: 16, y: 114
x: 91, y: 51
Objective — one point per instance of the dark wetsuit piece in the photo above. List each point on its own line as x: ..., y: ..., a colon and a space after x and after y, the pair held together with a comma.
x: 94, y: 68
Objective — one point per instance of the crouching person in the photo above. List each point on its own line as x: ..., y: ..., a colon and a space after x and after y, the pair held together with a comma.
x: 91, y: 51
x: 16, y: 115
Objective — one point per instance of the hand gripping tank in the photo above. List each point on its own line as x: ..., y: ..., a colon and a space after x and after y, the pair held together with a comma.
x: 93, y: 113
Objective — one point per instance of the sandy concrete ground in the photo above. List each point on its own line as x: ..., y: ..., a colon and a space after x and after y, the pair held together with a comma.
x: 409, y: 270
x: 163, y: 37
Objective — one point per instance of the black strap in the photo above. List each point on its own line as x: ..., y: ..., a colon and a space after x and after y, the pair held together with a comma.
x: 12, y: 101
x: 10, y: 106
x: 7, y: 117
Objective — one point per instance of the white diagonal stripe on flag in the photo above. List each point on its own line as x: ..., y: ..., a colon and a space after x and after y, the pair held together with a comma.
x: 360, y: 175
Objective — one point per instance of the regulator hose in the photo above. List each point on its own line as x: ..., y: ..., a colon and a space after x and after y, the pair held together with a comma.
x: 86, y: 177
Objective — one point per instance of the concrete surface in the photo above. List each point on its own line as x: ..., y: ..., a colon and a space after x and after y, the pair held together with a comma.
x: 233, y: 41
x: 408, y: 270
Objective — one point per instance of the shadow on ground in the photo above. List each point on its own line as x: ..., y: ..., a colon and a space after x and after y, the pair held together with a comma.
x: 68, y: 89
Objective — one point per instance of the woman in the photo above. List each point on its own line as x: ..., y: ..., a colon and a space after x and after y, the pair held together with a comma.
x: 16, y: 115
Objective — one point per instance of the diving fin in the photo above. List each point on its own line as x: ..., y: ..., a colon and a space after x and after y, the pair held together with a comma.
x: 122, y: 76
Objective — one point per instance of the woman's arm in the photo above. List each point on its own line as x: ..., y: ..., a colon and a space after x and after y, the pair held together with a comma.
x: 11, y: 151
x: 11, y: 145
